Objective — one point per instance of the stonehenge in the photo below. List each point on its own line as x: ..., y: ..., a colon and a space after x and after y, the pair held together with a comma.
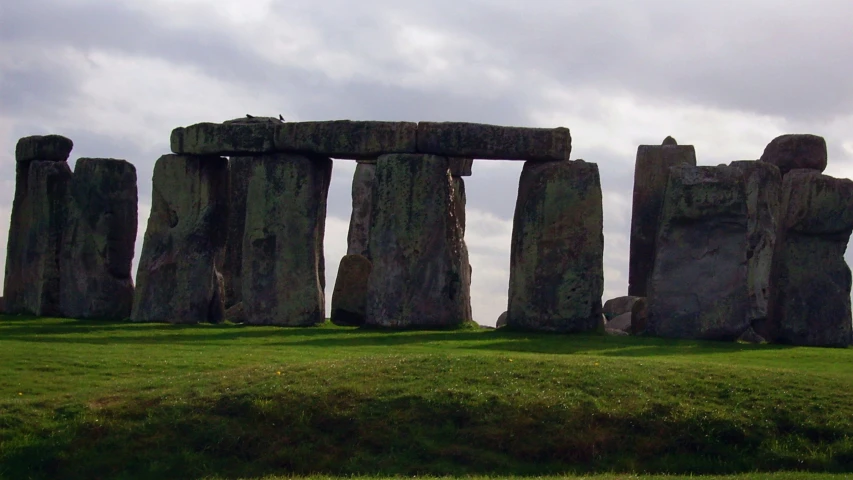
x: 751, y: 251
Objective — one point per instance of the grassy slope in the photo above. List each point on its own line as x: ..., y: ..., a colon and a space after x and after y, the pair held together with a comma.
x: 90, y: 399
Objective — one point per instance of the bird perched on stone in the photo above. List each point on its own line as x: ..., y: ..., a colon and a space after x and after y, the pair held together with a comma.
x: 280, y: 117
x: 249, y: 116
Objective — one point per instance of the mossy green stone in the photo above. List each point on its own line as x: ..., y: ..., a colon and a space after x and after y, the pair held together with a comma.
x: 557, y: 252
x: 49, y: 148
x: 475, y: 140
x: 177, y: 281
x: 651, y: 172
x: 282, y: 274
x: 698, y: 288
x: 420, y: 267
x: 39, y: 211
x: 810, y: 281
x: 99, y: 239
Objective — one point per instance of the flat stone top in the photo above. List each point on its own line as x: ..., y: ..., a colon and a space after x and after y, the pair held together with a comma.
x: 52, y: 148
x: 364, y: 140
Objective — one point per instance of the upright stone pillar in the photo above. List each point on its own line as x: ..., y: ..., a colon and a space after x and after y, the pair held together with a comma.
x: 98, y: 241
x: 177, y: 280
x: 810, y: 281
x: 418, y: 276
x: 698, y: 288
x: 38, y: 217
x: 556, y: 275
x: 282, y: 276
x: 763, y: 183
x: 650, y: 175
x: 239, y: 172
x: 363, y: 181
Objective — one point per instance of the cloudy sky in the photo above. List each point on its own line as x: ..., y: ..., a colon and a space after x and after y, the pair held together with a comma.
x: 726, y: 76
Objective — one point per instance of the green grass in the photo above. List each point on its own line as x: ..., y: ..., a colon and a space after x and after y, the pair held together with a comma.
x: 116, y: 400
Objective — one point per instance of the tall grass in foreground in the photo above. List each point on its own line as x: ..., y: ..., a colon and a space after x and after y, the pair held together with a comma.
x: 115, y: 400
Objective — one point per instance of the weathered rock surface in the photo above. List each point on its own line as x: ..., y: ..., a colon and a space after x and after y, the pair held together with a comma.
x: 176, y: 280
x: 639, y: 316
x: 239, y: 173
x: 617, y: 306
x: 474, y: 140
x: 236, y: 137
x: 39, y: 212
x: 235, y: 313
x: 461, y: 167
x: 363, y: 182
x: 347, y: 138
x: 810, y: 281
x: 349, y: 298
x: 763, y: 184
x: 283, y: 241
x: 650, y: 176
x: 47, y: 148
x: 416, y: 245
x: 796, y: 151
x: 749, y: 336
x: 621, y: 322
x: 698, y: 288
x: 98, y: 240
x: 501, y: 320
x: 556, y: 259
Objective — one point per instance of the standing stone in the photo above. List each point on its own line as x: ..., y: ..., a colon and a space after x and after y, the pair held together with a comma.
x: 358, y: 237
x: 698, y: 288
x: 459, y: 202
x: 810, y: 282
x: 650, y: 175
x: 416, y: 244
x: 556, y: 275
x: 282, y: 277
x: 349, y: 299
x: 39, y: 212
x: 763, y: 184
x: 617, y: 306
x: 47, y: 148
x: 239, y: 172
x: 98, y: 241
x: 176, y: 280
x: 796, y: 151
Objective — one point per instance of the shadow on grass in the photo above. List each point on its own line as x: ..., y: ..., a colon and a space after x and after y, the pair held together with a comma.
x: 33, y: 329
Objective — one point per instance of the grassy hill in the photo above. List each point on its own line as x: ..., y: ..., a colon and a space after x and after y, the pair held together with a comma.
x: 116, y: 400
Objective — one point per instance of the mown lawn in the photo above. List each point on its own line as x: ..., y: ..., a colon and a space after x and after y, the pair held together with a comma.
x: 82, y: 399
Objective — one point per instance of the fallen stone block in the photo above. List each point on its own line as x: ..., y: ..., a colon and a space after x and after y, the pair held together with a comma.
x: 349, y: 298
x: 474, y: 140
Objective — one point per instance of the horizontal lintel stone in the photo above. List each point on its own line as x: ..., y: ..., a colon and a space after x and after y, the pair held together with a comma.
x: 494, y: 142
x: 50, y: 148
x: 348, y: 139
